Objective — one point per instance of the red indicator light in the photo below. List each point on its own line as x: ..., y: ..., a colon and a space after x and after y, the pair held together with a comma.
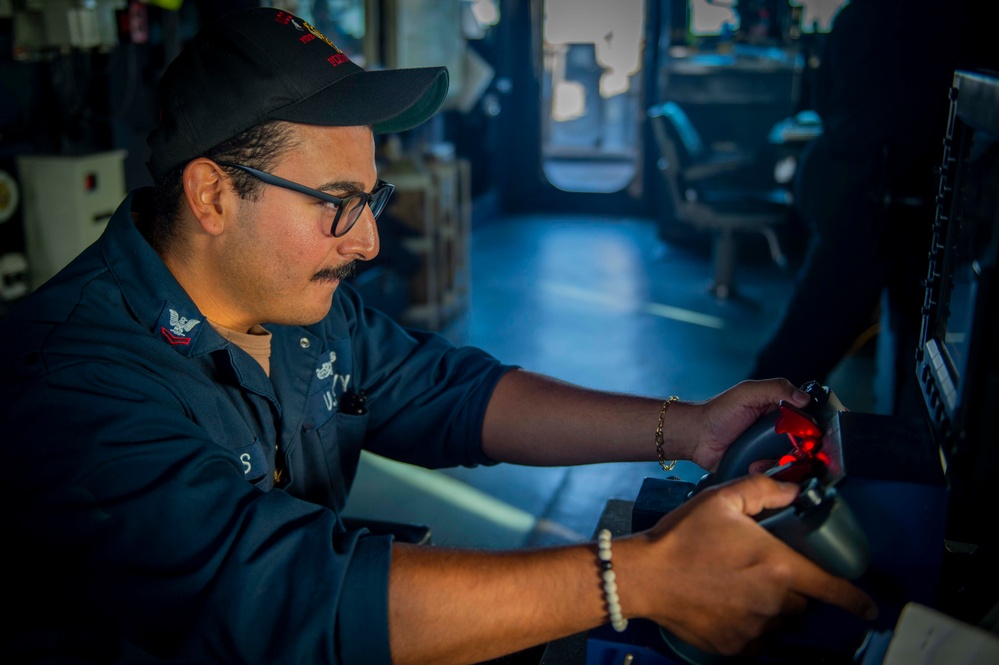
x: 795, y: 421
x: 786, y: 459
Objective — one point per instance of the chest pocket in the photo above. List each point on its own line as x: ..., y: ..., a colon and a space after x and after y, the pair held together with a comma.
x: 323, y: 467
x: 332, y: 379
x: 326, y: 462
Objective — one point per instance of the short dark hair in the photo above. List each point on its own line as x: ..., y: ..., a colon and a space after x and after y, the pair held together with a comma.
x: 259, y: 146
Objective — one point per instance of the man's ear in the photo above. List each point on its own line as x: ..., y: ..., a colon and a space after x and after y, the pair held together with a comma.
x: 208, y: 194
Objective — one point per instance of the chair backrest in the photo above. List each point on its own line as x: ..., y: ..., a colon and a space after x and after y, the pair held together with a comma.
x: 682, y: 130
x: 674, y: 155
x: 669, y: 162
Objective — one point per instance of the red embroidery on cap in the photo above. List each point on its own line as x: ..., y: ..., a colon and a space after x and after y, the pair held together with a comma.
x: 305, y: 39
x: 284, y: 18
x: 337, y: 59
x: 320, y: 35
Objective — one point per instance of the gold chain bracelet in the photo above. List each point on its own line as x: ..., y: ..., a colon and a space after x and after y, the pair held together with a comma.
x: 667, y: 465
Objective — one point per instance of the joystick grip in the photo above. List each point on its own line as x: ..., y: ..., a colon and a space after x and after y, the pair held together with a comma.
x: 767, y: 437
x: 758, y: 442
x: 820, y: 526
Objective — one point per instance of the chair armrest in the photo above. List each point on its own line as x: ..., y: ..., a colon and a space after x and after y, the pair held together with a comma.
x: 712, y: 168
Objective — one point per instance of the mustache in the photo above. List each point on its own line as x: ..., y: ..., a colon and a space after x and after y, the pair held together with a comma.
x: 340, y: 273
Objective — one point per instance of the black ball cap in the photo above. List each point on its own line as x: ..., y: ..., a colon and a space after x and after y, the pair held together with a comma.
x: 266, y: 64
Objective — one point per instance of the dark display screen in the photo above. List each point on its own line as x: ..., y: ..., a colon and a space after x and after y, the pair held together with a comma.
x: 969, y: 247
x: 958, y: 358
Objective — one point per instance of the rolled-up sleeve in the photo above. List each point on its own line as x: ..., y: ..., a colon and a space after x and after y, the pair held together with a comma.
x: 426, y: 396
x: 361, y: 622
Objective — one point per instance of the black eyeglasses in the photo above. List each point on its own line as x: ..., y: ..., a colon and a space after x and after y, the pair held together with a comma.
x: 352, y: 204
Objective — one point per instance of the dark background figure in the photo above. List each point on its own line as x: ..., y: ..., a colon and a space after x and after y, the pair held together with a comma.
x: 865, y: 190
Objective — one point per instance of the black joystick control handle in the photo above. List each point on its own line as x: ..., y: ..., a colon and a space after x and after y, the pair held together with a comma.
x: 762, y: 441
x: 820, y: 526
x: 759, y: 441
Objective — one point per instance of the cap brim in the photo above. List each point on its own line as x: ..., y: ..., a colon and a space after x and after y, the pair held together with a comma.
x: 391, y: 100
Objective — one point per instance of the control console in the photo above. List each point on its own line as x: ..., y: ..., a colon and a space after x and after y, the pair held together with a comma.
x: 880, y: 525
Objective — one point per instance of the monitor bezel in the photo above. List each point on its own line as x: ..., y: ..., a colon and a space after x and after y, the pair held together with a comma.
x: 957, y: 397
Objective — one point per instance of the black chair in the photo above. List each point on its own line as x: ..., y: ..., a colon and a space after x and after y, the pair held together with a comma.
x: 704, y: 193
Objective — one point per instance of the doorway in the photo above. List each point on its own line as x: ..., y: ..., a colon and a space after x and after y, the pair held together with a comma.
x: 591, y: 93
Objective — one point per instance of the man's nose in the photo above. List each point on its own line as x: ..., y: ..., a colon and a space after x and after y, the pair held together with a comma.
x: 362, y: 241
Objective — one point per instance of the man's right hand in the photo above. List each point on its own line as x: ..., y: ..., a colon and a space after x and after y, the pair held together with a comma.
x: 711, y: 575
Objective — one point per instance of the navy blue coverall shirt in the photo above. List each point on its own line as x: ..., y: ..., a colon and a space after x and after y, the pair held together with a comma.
x: 141, y: 520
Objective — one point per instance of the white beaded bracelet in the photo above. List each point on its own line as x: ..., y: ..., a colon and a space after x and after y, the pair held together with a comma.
x: 617, y: 619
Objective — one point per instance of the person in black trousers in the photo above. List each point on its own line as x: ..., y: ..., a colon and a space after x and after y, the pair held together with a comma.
x: 865, y: 187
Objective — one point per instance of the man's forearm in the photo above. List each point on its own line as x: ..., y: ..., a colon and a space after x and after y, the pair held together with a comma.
x: 536, y: 420
x: 458, y: 606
